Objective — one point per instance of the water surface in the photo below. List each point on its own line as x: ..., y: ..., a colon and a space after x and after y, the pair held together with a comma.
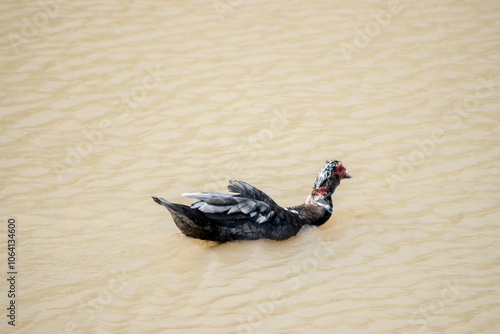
x: 104, y: 104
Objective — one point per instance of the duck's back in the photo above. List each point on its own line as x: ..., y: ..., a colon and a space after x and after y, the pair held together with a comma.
x: 247, y: 215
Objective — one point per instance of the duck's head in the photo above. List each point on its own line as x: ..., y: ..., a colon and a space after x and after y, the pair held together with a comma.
x: 329, y: 178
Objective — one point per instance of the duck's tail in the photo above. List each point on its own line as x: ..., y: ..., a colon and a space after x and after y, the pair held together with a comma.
x: 190, y: 221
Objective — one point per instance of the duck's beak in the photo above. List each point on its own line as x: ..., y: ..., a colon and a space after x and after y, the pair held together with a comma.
x: 347, y: 176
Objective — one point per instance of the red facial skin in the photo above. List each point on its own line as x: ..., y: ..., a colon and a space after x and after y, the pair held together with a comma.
x: 340, y: 171
x: 320, y: 191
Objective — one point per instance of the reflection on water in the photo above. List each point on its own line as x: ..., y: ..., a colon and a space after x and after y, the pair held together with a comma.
x: 104, y: 105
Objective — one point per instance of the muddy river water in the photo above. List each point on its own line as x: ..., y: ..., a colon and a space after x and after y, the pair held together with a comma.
x: 105, y: 103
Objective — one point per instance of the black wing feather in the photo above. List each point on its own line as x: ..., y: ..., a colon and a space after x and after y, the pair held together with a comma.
x: 249, y: 191
x: 249, y: 204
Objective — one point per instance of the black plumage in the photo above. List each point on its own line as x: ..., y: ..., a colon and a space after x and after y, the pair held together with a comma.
x: 248, y: 213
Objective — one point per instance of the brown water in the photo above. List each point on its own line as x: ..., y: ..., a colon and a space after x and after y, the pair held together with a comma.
x: 104, y: 104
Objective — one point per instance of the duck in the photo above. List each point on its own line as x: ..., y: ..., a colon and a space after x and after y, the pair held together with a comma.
x: 249, y: 214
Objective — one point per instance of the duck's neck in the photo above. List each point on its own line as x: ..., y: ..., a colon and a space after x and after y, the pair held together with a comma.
x: 320, y: 198
x: 317, y: 208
